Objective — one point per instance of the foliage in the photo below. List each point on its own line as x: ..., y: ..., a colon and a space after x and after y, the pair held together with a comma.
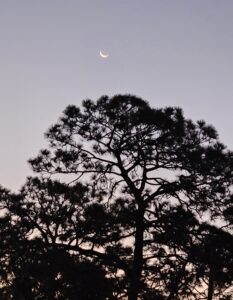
x: 129, y: 195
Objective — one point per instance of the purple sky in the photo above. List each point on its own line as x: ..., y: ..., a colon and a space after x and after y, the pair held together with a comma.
x: 167, y: 52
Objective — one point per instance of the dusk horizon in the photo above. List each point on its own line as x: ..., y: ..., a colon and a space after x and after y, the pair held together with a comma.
x: 116, y: 152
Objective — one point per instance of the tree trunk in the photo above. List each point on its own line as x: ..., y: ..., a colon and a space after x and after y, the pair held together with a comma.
x: 136, y: 271
x: 211, y: 283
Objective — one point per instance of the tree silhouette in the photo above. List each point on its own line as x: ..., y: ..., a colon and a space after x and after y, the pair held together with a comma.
x: 136, y: 187
x: 34, y: 263
x: 201, y: 253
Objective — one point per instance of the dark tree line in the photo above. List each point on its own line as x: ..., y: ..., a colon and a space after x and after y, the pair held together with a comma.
x: 131, y: 202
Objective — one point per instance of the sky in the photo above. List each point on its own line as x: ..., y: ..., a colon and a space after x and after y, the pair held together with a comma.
x: 170, y: 53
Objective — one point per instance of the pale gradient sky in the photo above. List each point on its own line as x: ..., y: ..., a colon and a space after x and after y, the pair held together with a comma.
x: 175, y: 52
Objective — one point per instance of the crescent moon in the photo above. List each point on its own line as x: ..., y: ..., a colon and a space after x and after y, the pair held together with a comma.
x: 103, y: 55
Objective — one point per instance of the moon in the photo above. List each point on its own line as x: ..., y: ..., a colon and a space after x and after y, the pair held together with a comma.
x: 103, y: 55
